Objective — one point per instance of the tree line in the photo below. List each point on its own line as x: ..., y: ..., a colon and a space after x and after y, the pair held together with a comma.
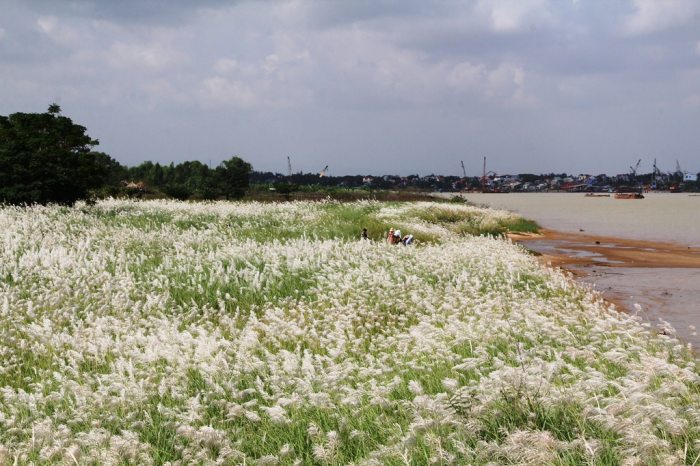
x: 190, y: 180
x: 47, y: 158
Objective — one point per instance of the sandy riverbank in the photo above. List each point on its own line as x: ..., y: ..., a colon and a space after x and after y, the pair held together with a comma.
x: 659, y: 281
x: 570, y: 249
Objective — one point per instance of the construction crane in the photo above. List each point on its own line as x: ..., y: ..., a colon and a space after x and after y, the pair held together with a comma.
x: 323, y: 172
x: 483, y: 177
x: 633, y: 170
x: 289, y: 167
x: 464, y: 170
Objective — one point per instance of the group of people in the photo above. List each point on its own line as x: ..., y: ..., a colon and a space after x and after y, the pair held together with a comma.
x: 394, y: 237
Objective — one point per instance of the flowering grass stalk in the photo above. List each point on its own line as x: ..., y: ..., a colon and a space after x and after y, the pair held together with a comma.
x: 231, y: 333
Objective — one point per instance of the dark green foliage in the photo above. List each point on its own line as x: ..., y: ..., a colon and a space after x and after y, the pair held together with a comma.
x: 193, y: 179
x: 45, y: 157
x: 233, y: 176
x: 177, y: 191
x: 529, y: 177
x: 286, y: 189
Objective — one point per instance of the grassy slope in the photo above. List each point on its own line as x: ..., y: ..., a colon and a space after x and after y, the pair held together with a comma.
x: 173, y: 332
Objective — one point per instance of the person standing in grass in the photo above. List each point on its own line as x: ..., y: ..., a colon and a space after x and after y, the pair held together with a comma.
x: 364, y: 236
x: 390, y: 237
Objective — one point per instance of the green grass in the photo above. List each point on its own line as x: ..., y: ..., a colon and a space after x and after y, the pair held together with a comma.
x: 522, y: 225
x: 472, y: 222
x: 341, y: 221
x: 264, y: 321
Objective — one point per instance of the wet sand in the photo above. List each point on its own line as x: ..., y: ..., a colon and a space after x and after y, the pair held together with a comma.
x: 658, y: 281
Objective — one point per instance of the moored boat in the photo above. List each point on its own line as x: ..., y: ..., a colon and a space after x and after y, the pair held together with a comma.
x: 629, y: 196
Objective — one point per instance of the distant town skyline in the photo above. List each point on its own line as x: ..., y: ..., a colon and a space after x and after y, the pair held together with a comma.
x: 366, y: 87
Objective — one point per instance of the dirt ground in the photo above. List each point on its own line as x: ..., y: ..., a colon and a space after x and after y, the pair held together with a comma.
x: 658, y: 281
x: 612, y: 252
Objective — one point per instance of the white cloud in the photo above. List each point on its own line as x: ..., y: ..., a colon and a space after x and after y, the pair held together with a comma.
x: 360, y: 62
x: 466, y: 76
x: 152, y: 56
x: 217, y: 91
x: 376, y: 69
x: 515, y: 15
x: 364, y: 61
x: 225, y: 65
x: 163, y: 89
x: 278, y: 78
x: 578, y: 88
x: 692, y: 101
x: 59, y: 33
x: 271, y: 63
x: 656, y: 15
x: 47, y: 24
x: 504, y: 84
x: 283, y: 61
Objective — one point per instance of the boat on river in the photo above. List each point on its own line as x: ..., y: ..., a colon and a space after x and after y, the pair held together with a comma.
x: 629, y: 196
x: 597, y: 195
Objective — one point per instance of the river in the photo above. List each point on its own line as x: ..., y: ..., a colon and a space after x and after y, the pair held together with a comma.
x: 658, y: 217
x: 656, y: 292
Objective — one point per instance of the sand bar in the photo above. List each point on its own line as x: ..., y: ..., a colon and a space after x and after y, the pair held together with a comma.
x: 566, y: 249
x: 656, y: 280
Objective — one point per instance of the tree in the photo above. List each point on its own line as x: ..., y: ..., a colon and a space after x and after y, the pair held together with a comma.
x: 45, y: 157
x: 286, y: 189
x: 179, y: 191
x: 233, y: 177
x: 104, y: 172
x: 528, y: 177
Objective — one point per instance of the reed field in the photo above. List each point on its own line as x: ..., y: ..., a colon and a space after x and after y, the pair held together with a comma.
x: 138, y: 333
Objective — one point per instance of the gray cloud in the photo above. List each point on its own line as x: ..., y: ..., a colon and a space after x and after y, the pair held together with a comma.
x: 365, y: 86
x: 134, y: 12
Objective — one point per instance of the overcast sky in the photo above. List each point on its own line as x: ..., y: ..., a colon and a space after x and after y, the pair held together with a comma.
x: 367, y: 87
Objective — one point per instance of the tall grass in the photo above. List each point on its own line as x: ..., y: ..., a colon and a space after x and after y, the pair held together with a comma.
x: 247, y: 333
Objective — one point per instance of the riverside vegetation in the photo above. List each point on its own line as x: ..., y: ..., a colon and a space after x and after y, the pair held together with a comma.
x: 245, y: 333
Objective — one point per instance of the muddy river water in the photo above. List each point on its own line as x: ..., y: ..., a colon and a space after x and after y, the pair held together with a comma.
x: 643, y: 255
